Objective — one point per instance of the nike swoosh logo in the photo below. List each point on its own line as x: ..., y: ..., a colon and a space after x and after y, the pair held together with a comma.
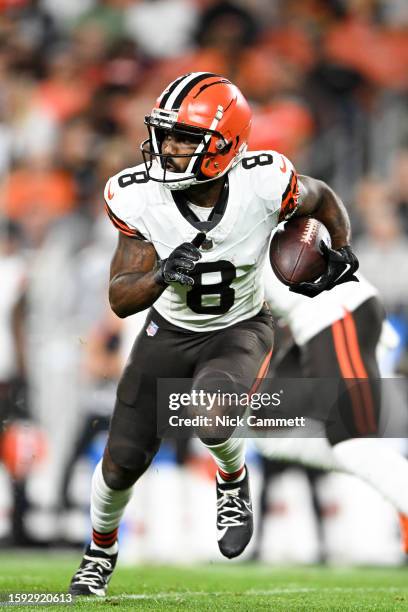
x: 221, y: 533
x: 282, y: 167
x: 110, y: 194
x: 99, y: 592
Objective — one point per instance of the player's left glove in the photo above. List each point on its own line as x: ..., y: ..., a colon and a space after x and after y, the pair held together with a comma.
x: 341, y: 265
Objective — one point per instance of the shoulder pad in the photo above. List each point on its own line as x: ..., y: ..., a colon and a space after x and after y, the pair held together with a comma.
x: 126, y: 201
x: 270, y: 173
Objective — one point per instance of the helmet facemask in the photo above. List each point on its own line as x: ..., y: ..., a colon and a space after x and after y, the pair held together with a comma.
x: 161, y: 122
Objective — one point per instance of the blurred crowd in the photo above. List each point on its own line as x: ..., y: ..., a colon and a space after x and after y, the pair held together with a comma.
x: 328, y: 83
x: 327, y: 80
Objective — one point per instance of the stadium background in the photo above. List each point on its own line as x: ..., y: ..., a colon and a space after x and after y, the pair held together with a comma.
x: 328, y: 83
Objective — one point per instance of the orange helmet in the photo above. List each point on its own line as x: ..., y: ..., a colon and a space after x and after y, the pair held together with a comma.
x: 209, y: 107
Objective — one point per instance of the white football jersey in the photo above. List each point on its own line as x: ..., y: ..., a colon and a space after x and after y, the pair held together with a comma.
x: 262, y: 190
x: 306, y: 316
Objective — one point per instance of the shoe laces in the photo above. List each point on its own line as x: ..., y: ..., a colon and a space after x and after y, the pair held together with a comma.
x: 231, y: 508
x: 92, y: 572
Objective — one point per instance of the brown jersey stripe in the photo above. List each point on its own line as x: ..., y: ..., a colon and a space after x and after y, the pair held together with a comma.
x: 289, y: 198
x: 122, y: 226
x: 291, y: 190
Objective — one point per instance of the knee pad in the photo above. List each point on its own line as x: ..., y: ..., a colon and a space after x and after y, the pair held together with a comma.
x: 213, y: 380
x: 132, y: 456
x: 133, y: 440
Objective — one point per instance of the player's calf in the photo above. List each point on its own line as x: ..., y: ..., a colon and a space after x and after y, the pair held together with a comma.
x: 117, y: 477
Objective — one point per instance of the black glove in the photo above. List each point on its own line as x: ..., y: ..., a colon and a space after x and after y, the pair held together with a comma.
x: 179, y: 263
x: 342, y: 264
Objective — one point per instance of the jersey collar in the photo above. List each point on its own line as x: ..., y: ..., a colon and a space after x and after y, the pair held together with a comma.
x: 216, y: 214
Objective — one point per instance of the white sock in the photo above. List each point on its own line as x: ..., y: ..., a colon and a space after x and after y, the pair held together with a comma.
x: 107, y: 507
x: 220, y: 480
x: 379, y: 465
x: 111, y: 550
x: 229, y: 456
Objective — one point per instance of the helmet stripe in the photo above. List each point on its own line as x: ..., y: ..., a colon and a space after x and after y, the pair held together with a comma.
x: 167, y: 92
x: 184, y: 87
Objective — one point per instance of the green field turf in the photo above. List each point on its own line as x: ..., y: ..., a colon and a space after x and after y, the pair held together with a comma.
x: 213, y: 587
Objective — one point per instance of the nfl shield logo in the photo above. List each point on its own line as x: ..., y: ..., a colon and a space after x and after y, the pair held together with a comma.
x: 152, y: 328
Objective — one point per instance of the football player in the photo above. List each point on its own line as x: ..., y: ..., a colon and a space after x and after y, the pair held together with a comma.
x: 194, y: 222
x: 337, y: 336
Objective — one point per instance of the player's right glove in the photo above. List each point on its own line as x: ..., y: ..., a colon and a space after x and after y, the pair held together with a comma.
x: 176, y: 268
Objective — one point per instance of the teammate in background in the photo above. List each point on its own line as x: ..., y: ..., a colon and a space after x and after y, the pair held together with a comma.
x: 337, y: 335
x: 194, y: 224
x: 14, y: 411
x: 102, y: 362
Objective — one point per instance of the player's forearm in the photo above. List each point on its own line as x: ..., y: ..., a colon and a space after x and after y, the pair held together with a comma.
x: 325, y: 205
x: 332, y: 213
x: 130, y: 293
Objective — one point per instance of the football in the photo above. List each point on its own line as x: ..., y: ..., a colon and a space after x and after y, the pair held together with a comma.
x: 295, y: 253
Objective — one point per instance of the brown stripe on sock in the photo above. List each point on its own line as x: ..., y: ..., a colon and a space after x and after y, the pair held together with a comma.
x: 105, y: 540
x: 232, y: 476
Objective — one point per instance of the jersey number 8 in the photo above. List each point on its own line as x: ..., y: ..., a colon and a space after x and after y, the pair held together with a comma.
x: 222, y: 291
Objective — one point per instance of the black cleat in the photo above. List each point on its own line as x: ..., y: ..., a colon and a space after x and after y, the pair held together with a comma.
x: 94, y: 573
x: 234, y: 516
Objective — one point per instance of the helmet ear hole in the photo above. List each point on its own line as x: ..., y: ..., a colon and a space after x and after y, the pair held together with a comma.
x: 227, y: 149
x: 221, y: 146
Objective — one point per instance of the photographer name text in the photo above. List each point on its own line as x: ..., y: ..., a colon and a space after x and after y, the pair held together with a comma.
x: 250, y: 420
